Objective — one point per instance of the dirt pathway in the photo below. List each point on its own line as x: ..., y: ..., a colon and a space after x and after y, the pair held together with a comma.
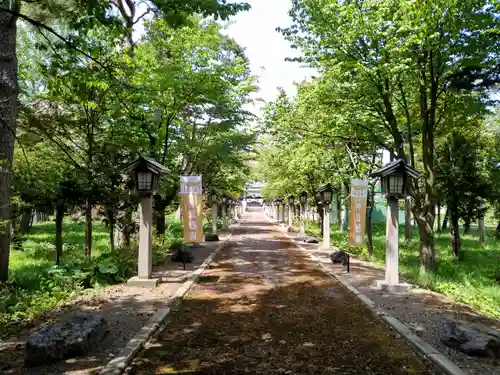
x: 264, y: 308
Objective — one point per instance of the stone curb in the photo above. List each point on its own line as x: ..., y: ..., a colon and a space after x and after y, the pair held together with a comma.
x: 118, y: 364
x: 430, y: 352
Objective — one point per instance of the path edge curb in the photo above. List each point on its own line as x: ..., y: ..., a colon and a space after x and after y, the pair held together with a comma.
x: 119, y: 364
x: 426, y: 349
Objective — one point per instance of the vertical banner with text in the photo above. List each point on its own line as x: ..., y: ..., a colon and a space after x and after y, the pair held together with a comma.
x: 191, y: 192
x: 357, y: 218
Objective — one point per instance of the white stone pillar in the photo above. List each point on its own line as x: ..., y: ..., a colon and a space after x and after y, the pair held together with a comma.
x: 392, y: 243
x: 302, y: 220
x: 214, y: 218
x: 326, y: 227
x: 277, y: 208
x: 145, y: 237
x: 224, y: 216
x: 290, y: 215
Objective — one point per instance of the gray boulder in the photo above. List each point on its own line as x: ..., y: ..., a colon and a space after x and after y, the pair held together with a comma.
x: 71, y: 336
x: 471, y: 338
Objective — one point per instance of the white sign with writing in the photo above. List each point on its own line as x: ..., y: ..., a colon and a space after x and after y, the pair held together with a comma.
x: 191, y: 185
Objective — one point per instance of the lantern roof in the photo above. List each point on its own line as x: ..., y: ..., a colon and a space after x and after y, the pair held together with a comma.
x: 322, y: 189
x: 397, y: 166
x: 214, y: 190
x: 145, y: 163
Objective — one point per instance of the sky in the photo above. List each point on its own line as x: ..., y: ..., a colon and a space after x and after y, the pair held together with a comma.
x: 266, y: 49
x: 255, y: 30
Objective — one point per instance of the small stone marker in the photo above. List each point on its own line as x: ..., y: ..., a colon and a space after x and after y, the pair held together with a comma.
x: 73, y: 335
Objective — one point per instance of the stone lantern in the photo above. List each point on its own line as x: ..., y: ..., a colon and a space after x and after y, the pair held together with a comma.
x: 303, y: 202
x: 326, y: 193
x: 395, y: 179
x: 291, y: 203
x: 223, y: 201
x: 146, y: 173
x: 214, y: 199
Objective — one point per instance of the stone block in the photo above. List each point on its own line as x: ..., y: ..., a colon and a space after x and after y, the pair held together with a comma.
x: 71, y: 336
x: 143, y: 283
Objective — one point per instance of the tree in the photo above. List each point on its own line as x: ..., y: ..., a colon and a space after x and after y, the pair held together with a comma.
x: 391, y: 66
x: 77, y: 16
x: 462, y: 177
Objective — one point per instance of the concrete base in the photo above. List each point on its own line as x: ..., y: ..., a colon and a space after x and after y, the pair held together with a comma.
x: 401, y: 288
x: 143, y: 283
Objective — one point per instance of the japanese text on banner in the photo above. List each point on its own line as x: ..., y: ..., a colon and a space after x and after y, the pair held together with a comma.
x: 357, y: 219
x: 191, y: 191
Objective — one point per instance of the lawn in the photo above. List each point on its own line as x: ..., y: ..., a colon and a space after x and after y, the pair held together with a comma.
x: 470, y: 281
x: 37, y: 286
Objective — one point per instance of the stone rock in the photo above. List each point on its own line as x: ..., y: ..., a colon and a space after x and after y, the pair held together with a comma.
x: 310, y: 240
x: 71, y: 336
x: 472, y: 338
x: 339, y: 257
x: 417, y: 328
x: 211, y: 237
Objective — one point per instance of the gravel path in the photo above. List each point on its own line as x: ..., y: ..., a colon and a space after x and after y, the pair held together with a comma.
x: 264, y: 308
x: 423, y: 311
x: 126, y: 309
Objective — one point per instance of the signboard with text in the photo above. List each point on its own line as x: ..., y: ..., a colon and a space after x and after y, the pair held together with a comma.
x: 357, y: 218
x: 191, y: 192
x: 191, y: 184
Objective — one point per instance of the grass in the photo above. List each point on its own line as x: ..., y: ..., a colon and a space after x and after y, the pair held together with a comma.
x: 470, y: 281
x: 37, y: 286
x: 38, y: 252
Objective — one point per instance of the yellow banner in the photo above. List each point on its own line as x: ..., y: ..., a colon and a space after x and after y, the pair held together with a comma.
x: 192, y: 217
x: 357, y: 217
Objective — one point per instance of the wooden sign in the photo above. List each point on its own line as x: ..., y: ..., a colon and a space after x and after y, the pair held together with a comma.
x: 357, y: 218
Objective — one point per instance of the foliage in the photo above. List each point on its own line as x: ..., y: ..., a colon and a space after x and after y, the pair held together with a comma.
x: 36, y: 286
x: 393, y: 76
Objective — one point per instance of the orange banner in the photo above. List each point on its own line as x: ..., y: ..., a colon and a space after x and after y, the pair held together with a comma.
x: 357, y: 217
x: 192, y: 217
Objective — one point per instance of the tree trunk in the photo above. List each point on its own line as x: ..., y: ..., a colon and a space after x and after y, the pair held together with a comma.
x: 88, y: 229
x: 438, y: 216
x: 369, y: 211
x: 466, y: 226
x: 26, y: 219
x: 339, y: 213
x: 59, y: 227
x: 482, y: 230
x: 128, y: 226
x: 445, y: 220
x: 497, y: 231
x: 427, y: 210
x: 160, y: 204
x: 160, y: 222
x: 112, y: 228
x: 456, y: 232
x: 8, y: 110
x: 407, y: 219
x: 345, y: 200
